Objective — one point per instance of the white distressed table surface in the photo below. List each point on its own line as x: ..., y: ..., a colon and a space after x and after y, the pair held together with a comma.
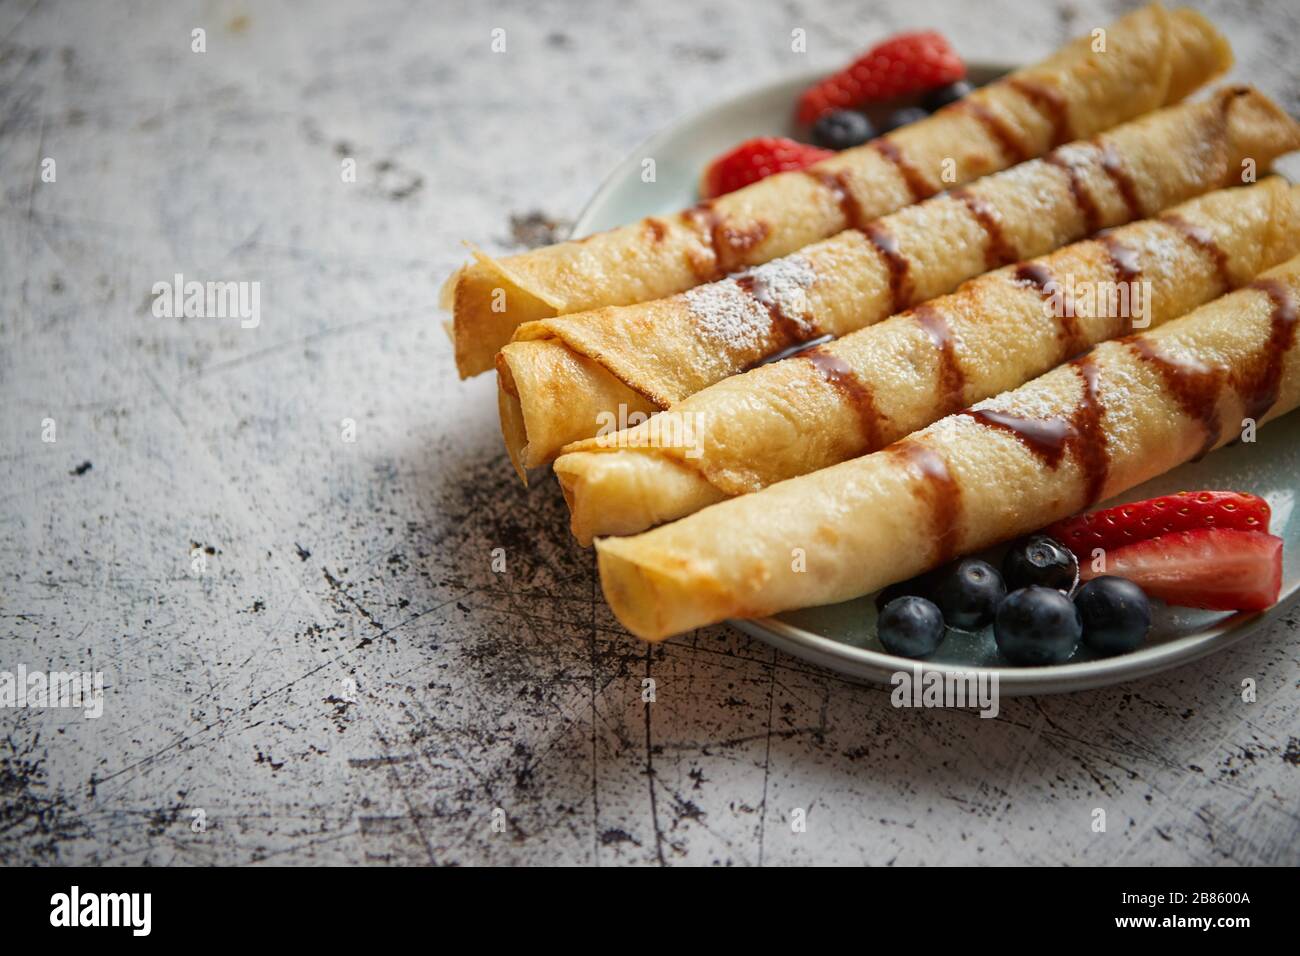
x: 347, y: 680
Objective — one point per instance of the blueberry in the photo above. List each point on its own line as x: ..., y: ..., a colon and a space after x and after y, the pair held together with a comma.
x: 1115, y: 612
x: 908, y: 114
x: 1040, y: 560
x: 920, y: 586
x: 969, y: 593
x: 842, y: 129
x: 943, y: 95
x: 910, y: 626
x: 1036, y: 626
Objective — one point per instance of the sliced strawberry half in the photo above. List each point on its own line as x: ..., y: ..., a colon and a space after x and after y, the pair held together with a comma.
x: 756, y: 159
x: 1213, y: 568
x: 1124, y: 524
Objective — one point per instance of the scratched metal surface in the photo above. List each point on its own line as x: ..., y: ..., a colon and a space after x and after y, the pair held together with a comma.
x: 348, y: 681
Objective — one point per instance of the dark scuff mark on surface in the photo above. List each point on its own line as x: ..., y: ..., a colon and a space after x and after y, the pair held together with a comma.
x: 533, y: 229
x: 615, y: 836
x: 396, y: 182
x: 337, y: 586
x: 29, y: 816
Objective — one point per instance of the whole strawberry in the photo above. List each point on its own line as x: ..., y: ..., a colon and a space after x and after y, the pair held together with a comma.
x: 904, y: 64
x: 756, y: 159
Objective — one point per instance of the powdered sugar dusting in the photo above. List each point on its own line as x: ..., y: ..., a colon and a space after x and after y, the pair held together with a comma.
x: 940, y: 216
x: 1041, y: 398
x: 1078, y: 156
x: 736, y: 313
x: 783, y: 283
x: 728, y: 316
x: 1160, y: 248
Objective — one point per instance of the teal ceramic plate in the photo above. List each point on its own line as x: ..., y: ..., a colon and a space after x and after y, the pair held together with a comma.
x: 843, y: 636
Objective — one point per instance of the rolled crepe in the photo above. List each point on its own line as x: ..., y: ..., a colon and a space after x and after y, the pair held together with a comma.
x: 1152, y: 57
x: 1127, y: 411
x: 563, y: 378
x: 871, y: 388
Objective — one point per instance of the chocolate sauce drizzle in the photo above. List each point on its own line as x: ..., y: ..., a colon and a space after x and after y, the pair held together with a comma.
x: 999, y: 251
x: 1045, y: 437
x: 1034, y: 274
x: 1092, y: 449
x: 1010, y: 143
x: 727, y: 244
x: 1261, y: 380
x: 784, y: 327
x: 1124, y: 260
x: 952, y: 380
x: 1048, y: 102
x: 839, y: 184
x: 855, y: 393
x: 917, y: 184
x: 1127, y: 266
x: 1195, y: 387
x: 1082, y: 198
x: 1113, y: 166
x: 1203, y: 239
x: 937, y: 489
x: 1039, y: 277
x: 1081, y: 433
x: 900, y: 285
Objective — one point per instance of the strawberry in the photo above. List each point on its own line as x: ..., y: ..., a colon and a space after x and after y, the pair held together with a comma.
x: 906, y: 63
x: 1220, y: 569
x: 1185, y: 511
x: 756, y: 159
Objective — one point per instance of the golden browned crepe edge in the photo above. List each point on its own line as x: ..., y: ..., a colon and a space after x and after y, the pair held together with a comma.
x: 470, y: 291
x: 582, y: 474
x: 531, y: 377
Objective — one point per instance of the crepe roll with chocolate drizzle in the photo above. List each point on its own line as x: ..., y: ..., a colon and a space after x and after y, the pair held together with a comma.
x: 562, y: 378
x: 868, y: 389
x: 1127, y: 411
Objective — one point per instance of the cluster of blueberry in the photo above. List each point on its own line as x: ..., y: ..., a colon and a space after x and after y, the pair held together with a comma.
x: 844, y: 129
x: 1038, y: 615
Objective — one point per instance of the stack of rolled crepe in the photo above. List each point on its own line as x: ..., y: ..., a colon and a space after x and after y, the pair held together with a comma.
x: 1123, y: 413
x: 1150, y: 58
x: 563, y: 377
x: 873, y: 387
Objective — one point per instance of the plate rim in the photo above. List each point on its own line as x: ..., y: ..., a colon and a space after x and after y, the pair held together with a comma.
x: 864, y: 665
x: 877, y: 667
